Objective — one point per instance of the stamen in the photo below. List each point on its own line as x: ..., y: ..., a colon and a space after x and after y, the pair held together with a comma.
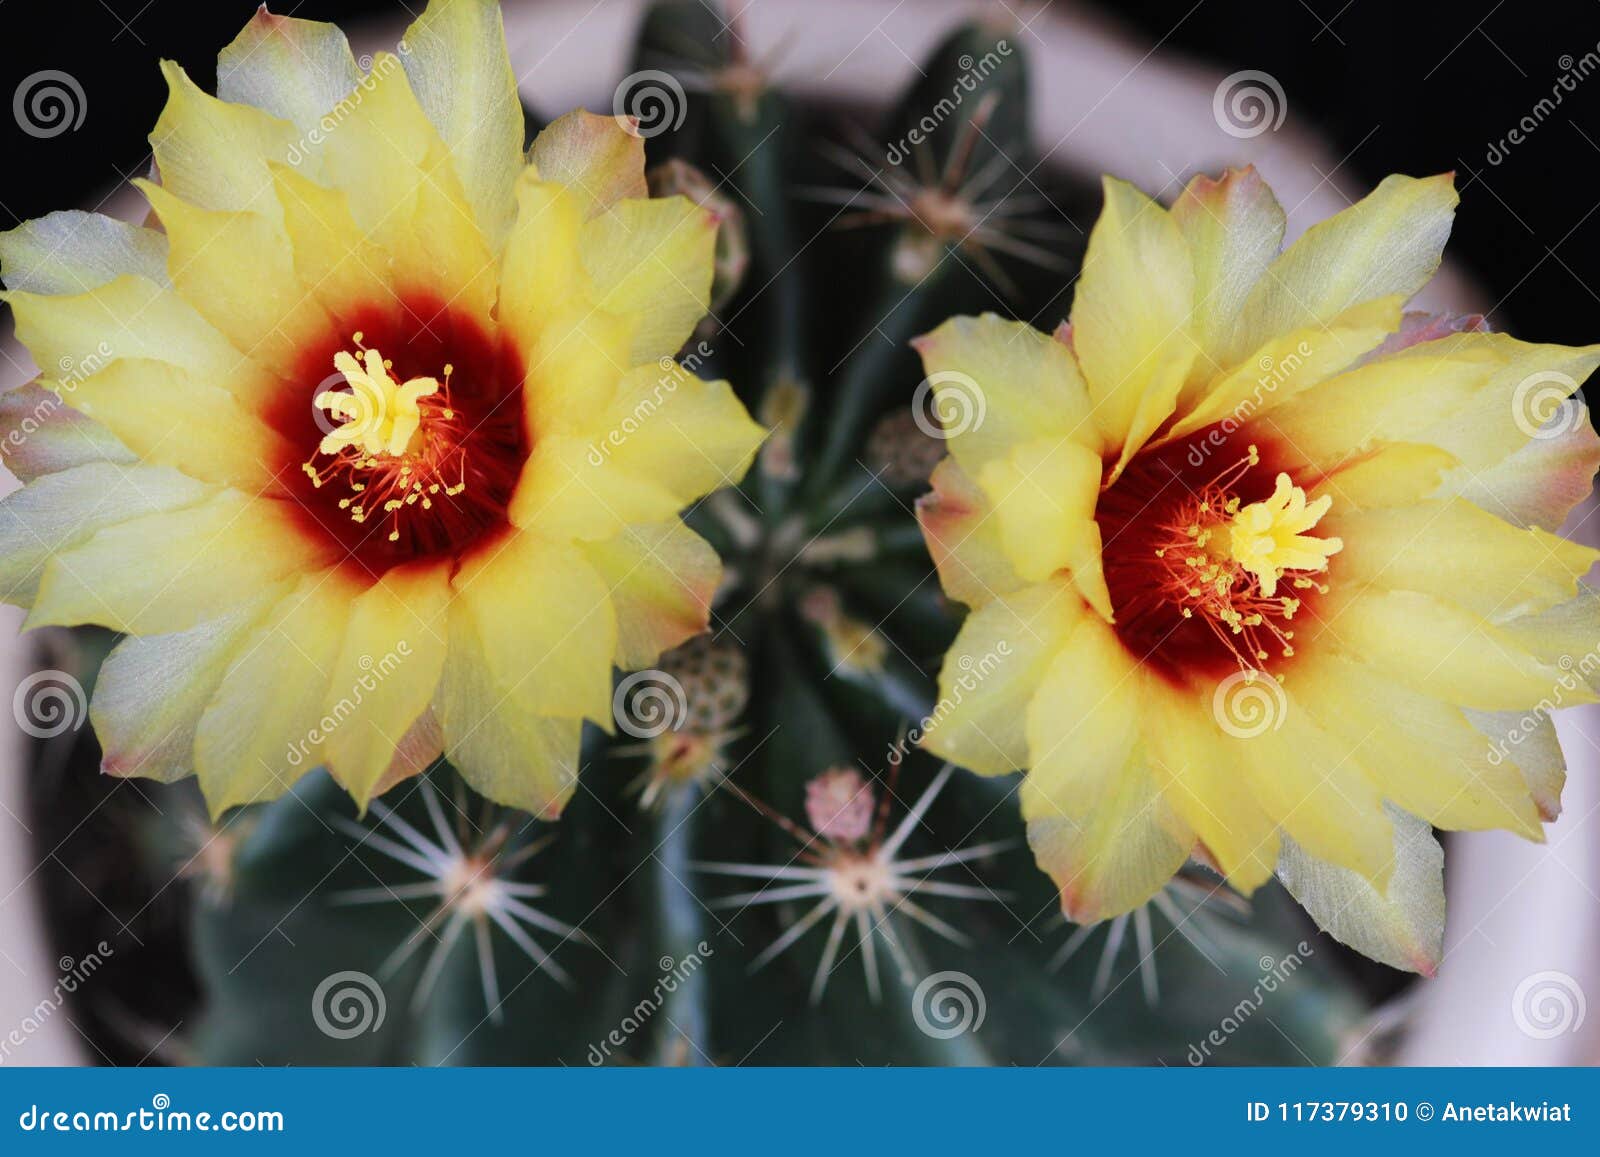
x: 1223, y: 561
x: 396, y: 441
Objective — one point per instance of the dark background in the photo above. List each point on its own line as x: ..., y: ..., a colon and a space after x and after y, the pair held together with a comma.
x: 1400, y: 87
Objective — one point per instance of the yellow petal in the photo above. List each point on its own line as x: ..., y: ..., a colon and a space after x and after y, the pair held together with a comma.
x: 128, y: 317
x: 651, y: 263
x: 1098, y: 819
x: 598, y: 158
x: 1387, y: 244
x: 1455, y: 551
x: 388, y: 158
x: 1422, y: 754
x: 1043, y: 498
x: 1201, y: 772
x: 964, y: 538
x: 170, y: 571
x: 168, y: 418
x: 265, y: 727
x: 151, y: 691
x: 386, y: 672
x: 266, y: 312
x: 1130, y: 316
x: 575, y: 362
x: 41, y: 434
x: 991, y: 673
x: 542, y: 277
x: 1233, y: 227
x: 678, y: 430
x: 492, y: 733
x: 570, y: 489
x: 1313, y: 787
x: 1436, y: 648
x: 547, y: 624
x: 1540, y: 483
x: 1289, y: 365
x: 215, y: 154
x: 662, y: 578
x: 74, y: 252
x: 1459, y: 393
x: 60, y: 510
x: 999, y: 383
x: 334, y: 260
x: 1395, y: 474
x: 296, y: 70
x: 457, y: 62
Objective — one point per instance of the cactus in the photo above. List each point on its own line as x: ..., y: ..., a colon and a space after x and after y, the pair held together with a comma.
x: 761, y: 866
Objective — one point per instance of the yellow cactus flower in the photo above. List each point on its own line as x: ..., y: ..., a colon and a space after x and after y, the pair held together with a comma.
x: 375, y: 448
x: 1275, y: 562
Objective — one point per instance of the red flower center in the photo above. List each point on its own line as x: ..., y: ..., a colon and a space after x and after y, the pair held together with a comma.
x: 1172, y: 539
x: 408, y: 434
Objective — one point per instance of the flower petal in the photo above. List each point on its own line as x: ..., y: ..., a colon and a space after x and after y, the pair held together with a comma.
x: 1387, y: 244
x: 991, y: 673
x: 296, y: 70
x: 1402, y: 924
x: 492, y: 731
x: 964, y: 538
x: 600, y: 159
x: 548, y: 629
x: 215, y: 154
x: 1098, y: 820
x: 151, y: 691
x: 171, y: 571
x: 1234, y: 228
x: 74, y: 252
x: 386, y: 672
x: 455, y: 56
x: 1044, y: 498
x: 1130, y: 316
x: 41, y: 434
x: 651, y: 262
x: 662, y: 578
x: 1455, y: 551
x: 1007, y: 383
x: 60, y: 510
x: 167, y: 418
x: 264, y: 727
